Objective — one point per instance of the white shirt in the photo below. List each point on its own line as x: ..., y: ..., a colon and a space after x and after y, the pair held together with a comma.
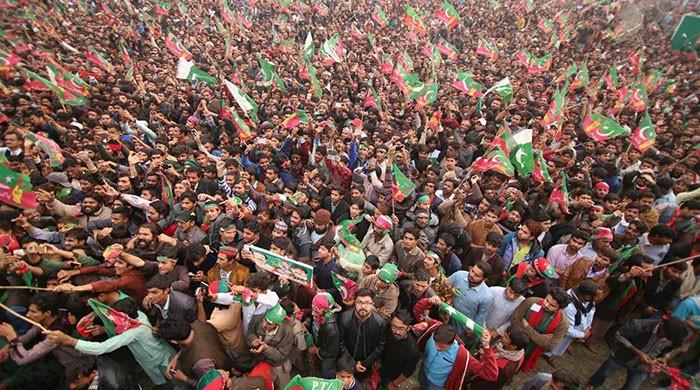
x: 501, y: 309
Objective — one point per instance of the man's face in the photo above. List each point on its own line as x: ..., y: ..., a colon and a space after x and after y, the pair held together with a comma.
x: 510, y: 294
x: 249, y: 236
x: 165, y: 267
x: 89, y: 206
x: 631, y: 214
x: 120, y: 267
x: 409, y: 241
x: 476, y: 276
x: 212, y: 213
x: 441, y: 246
x: 399, y: 329
x: 420, y: 287
x: 145, y: 237
x: 442, y: 346
x: 37, y: 315
x: 159, y: 296
x: 671, y: 273
x: 422, y: 221
x: 363, y: 306
x: 12, y: 141
x: 490, y: 219
x: 193, y: 178
x: 71, y: 243
x: 123, y: 184
x: 335, y: 196
x: 523, y: 233
x: 550, y: 305
x: 645, y: 203
x: 575, y: 244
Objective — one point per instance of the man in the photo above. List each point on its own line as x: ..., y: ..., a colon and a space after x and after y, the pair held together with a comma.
x: 104, y: 373
x: 564, y: 255
x: 474, y: 299
x: 324, y: 332
x: 561, y: 379
x: 543, y: 320
x: 505, y: 301
x: 336, y: 205
x: 480, y: 228
x: 407, y: 255
x: 489, y: 254
x: 446, y: 362
x: 386, y: 292
x: 187, y: 232
x: 401, y: 355
x: 584, y: 268
x: 661, y: 290
x: 271, y: 337
x: 450, y: 262
x: 200, y: 350
x: 91, y: 208
x: 378, y: 241
x: 510, y: 352
x: 538, y: 276
x: 363, y: 333
x: 228, y: 268
x: 657, y: 242
x: 640, y: 345
x: 579, y: 312
x: 412, y: 291
x: 162, y: 302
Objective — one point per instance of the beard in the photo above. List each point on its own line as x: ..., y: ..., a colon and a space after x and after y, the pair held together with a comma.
x: 142, y: 244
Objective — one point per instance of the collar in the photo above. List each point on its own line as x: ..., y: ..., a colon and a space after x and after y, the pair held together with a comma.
x: 166, y: 306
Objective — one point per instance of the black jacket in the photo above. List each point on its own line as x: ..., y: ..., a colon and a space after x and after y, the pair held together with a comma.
x: 328, y: 338
x: 363, y: 341
x: 661, y: 299
x: 642, y: 334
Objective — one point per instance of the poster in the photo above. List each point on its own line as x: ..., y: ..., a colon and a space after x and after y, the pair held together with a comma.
x: 293, y: 270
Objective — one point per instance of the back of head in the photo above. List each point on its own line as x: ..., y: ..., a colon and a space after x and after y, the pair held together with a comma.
x: 127, y: 306
x: 566, y: 378
x: 174, y: 329
x: 444, y: 334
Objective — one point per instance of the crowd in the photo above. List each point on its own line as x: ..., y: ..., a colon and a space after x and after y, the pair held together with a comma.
x: 290, y: 194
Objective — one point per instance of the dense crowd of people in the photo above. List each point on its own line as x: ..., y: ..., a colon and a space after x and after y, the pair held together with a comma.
x: 289, y: 194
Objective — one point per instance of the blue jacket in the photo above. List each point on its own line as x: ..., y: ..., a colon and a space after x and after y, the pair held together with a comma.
x: 510, y: 245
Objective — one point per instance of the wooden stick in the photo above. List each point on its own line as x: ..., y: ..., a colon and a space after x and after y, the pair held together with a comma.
x: 26, y: 288
x: 677, y: 261
x: 21, y: 317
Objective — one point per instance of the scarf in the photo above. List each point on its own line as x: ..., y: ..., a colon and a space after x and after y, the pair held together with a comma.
x: 581, y: 309
x: 544, y: 323
x: 513, y: 356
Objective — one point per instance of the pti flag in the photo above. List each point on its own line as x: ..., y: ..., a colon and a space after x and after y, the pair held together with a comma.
x: 16, y: 189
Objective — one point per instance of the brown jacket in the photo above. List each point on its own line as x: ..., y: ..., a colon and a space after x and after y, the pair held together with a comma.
x: 577, y: 272
x: 539, y: 339
x: 385, y: 301
x: 238, y: 275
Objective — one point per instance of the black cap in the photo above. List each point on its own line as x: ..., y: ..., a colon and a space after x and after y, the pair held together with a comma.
x: 185, y: 216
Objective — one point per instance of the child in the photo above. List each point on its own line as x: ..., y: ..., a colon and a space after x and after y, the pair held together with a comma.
x: 324, y: 265
x: 370, y: 267
x: 345, y: 371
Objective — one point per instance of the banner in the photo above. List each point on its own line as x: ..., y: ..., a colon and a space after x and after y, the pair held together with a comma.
x: 293, y: 270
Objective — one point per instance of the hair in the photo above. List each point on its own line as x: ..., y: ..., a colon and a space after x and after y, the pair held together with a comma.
x: 404, y: 316
x: 587, y: 287
x: 518, y: 286
x: 326, y: 242
x: 444, y: 334
x: 534, y: 227
x: 47, y: 301
x: 580, y: 234
x: 495, y: 209
x: 121, y: 210
x: 160, y: 207
x: 158, y: 281
x: 245, y: 363
x: 372, y: 261
x: 127, y: 306
x: 691, y: 205
x: 449, y: 239
x: 675, y: 330
x: 483, y: 266
x: 411, y: 230
x: 518, y: 337
x: 253, y: 226
x: 154, y: 228
x: 662, y: 230
x: 79, y: 234
x: 560, y: 296
x: 679, y: 266
x: 345, y: 364
x: 494, y: 239
x: 638, y: 259
x: 288, y: 306
x: 258, y: 280
x: 365, y: 292
x: 174, y: 329
x: 421, y: 276
x: 567, y: 378
x: 94, y: 195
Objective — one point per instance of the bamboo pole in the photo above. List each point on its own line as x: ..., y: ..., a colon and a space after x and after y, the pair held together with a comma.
x: 26, y: 288
x: 677, y: 261
x: 21, y: 317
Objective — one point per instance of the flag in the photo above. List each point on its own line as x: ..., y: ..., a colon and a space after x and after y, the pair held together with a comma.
x: 428, y: 95
x: 447, y: 49
x: 66, y: 96
x: 176, y: 47
x: 346, y: 287
x: 602, y: 128
x: 268, y: 75
x: 127, y: 61
x: 332, y: 49
x: 460, y: 318
x: 166, y: 190
x: 653, y: 80
x: 163, y: 8
x: 49, y: 147
x: 622, y: 95
x: 98, y: 59
x: 523, y: 57
x: 541, y: 173
x: 186, y: 70
x: 636, y: 60
x: 539, y: 65
x: 465, y: 83
x: 521, y: 155
x: 315, y: 84
x: 372, y: 99
x: 16, y: 189
x: 245, y: 102
x: 680, y: 380
x: 503, y: 89
x: 401, y: 185
x: 448, y: 15
x: 487, y: 49
x: 564, y: 36
x: 242, y: 128
x: 581, y: 79
x: 644, y: 136
x: 379, y: 16
x: 556, y: 108
x: 434, y: 54
x: 8, y: 59
x: 570, y: 71
x: 494, y: 160
x: 313, y: 383
x: 114, y: 322
x: 560, y: 195
x: 309, y: 47
x: 434, y: 122
x: 611, y: 78
x: 413, y: 20
x: 546, y: 25
x: 638, y: 97
x: 294, y: 119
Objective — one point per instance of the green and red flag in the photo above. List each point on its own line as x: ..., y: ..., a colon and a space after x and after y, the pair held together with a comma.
x: 313, y: 383
x: 541, y: 173
x: 556, y: 109
x: 176, y: 47
x: 428, y: 95
x: 611, y: 80
x: 186, y: 70
x: 308, y: 50
x: 128, y: 62
x: 8, y: 59
x: 539, y: 65
x: 242, y: 128
x: 433, y: 53
x: 98, y: 59
x: 413, y: 20
x: 447, y: 49
x: 163, y: 8
x: 523, y: 57
x: 68, y: 97
x: 564, y: 36
x: 49, y: 147
x: 601, y: 128
x: 636, y: 61
x: 570, y: 71
x: 461, y: 319
x: 644, y: 136
x: 379, y: 16
x: 372, y: 99
x: 245, y: 102
x: 503, y: 89
x: 521, y: 155
x: 435, y: 119
x: 638, y: 98
x: 560, y: 195
x: 546, y: 25
x: 295, y: 119
x: 681, y: 380
x: 495, y: 159
x: 487, y: 49
x: 581, y: 80
x: 465, y: 83
x: 269, y: 75
x: 345, y: 286
x: 653, y: 80
x: 166, y: 190
x: 332, y: 50
x: 622, y: 95
x: 115, y: 322
x: 315, y: 84
x: 448, y: 15
x: 401, y: 185
x: 16, y: 189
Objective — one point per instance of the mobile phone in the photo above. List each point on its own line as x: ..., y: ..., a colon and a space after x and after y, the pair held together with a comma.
x: 18, y: 252
x: 125, y: 138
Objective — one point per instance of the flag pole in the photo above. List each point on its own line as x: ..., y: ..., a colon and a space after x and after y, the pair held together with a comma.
x: 26, y: 288
x: 21, y: 317
x: 676, y: 261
